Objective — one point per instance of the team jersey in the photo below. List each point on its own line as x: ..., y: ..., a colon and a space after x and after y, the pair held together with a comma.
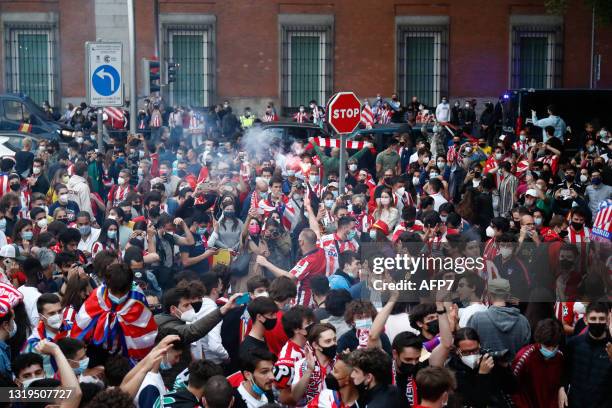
x: 316, y: 384
x: 311, y: 264
x: 327, y: 399
x: 332, y: 245
x: 284, y: 367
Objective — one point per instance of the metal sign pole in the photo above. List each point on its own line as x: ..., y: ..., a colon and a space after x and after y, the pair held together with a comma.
x: 341, y: 170
x: 132, y: 60
x: 99, y: 137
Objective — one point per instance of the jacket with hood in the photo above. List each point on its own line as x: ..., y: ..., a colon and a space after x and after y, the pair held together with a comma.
x: 501, y: 328
x: 189, y: 332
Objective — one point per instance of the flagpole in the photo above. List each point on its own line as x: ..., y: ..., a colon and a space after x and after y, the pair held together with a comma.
x: 341, y: 170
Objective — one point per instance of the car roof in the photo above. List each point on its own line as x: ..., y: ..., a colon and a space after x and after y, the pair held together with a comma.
x: 7, y: 133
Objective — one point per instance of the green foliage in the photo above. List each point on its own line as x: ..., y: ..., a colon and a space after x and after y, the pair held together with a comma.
x: 603, y: 9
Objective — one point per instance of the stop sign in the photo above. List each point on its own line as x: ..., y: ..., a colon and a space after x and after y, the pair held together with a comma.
x: 344, y: 112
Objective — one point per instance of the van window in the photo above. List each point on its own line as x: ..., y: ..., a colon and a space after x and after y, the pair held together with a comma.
x: 13, y: 110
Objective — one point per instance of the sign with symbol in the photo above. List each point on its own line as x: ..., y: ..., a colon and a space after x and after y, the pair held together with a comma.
x: 103, y: 80
x: 344, y: 112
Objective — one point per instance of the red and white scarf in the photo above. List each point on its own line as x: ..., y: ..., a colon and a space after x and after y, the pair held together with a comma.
x: 328, y: 142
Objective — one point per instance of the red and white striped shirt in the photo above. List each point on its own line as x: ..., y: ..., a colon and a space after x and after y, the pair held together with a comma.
x: 333, y: 246
x: 300, y: 117
x: 311, y: 264
x: 117, y: 194
x: 156, y: 119
x: 520, y: 147
x: 270, y: 117
x: 327, y: 399
x: 4, y: 184
x: 284, y: 367
x: 384, y: 116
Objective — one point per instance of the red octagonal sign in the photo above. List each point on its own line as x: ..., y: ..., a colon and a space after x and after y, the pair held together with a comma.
x: 344, y: 112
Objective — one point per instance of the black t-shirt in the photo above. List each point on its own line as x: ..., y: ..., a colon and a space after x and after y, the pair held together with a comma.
x: 250, y: 343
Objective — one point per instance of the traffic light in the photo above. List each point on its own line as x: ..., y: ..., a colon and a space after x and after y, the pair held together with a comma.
x: 151, y: 77
x: 172, y: 71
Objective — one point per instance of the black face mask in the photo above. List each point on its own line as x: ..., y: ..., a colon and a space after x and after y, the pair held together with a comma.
x: 563, y: 234
x: 577, y: 226
x: 357, y: 209
x: 269, y: 324
x: 597, y: 329
x: 331, y: 382
x: 154, y: 212
x: 406, y: 369
x: 565, y: 264
x: 15, y: 187
x: 329, y: 352
x: 433, y: 327
x: 387, y: 180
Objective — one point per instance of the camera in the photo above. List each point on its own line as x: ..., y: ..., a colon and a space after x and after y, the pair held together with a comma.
x: 498, y: 355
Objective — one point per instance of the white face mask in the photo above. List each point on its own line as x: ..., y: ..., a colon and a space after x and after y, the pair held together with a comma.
x: 261, y: 294
x: 490, y: 232
x: 54, y: 321
x: 42, y: 223
x: 400, y: 191
x: 26, y: 383
x: 373, y: 234
x: 63, y: 198
x: 584, y: 178
x: 188, y: 316
x: 505, y: 252
x: 415, y: 181
x: 120, y: 181
x: 425, y: 160
x: 36, y: 170
x: 498, y: 156
x: 352, y: 167
x: 471, y: 360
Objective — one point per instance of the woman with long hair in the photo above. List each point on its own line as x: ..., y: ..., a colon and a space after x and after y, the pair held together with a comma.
x: 60, y: 177
x: 76, y: 291
x: 108, y: 239
x: 23, y: 329
x: 466, y: 207
x: 227, y: 230
x: 23, y: 236
x: 385, y: 210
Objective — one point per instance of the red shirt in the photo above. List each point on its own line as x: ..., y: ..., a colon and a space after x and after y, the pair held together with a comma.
x: 276, y: 338
x: 313, y: 263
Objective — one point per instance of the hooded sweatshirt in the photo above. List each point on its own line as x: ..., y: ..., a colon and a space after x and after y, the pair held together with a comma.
x: 501, y: 328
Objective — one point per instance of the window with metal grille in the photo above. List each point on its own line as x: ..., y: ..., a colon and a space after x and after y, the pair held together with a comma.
x: 537, y: 57
x: 192, y: 48
x: 422, y: 63
x: 30, y: 61
x: 306, y: 65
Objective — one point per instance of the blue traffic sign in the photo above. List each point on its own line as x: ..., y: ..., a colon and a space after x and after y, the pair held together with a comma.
x: 106, y: 80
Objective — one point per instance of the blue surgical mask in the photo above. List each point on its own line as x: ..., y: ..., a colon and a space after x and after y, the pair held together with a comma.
x: 548, y: 354
x: 257, y: 389
x: 27, y: 235
x: 116, y: 300
x: 85, y: 229
x: 165, y: 365
x: 351, y: 234
x: 111, y: 234
x: 83, y: 364
x: 3, y: 224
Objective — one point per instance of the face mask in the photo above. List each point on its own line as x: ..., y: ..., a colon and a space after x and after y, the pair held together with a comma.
x: 63, y: 199
x: 468, y: 149
x: 590, y: 148
x: 522, y: 138
x: 372, y: 234
x: 3, y: 224
x: 352, y: 167
x: 407, y: 369
x: 537, y: 221
x: 357, y: 208
x: 443, y: 218
x: 329, y: 203
x: 256, y: 389
x: 363, y: 324
x: 254, y: 229
x: 597, y: 329
x: 42, y: 223
x: 490, y: 232
x: 164, y: 365
x: 85, y: 230
x: 565, y: 264
x: 331, y: 382
x: 188, y: 316
x: 314, y: 179
x: 228, y: 214
x: 83, y: 364
x: 433, y: 327
x: 603, y: 134
x: 385, y: 201
x: 13, y: 329
x: 54, y: 321
x: 505, y: 252
x: 415, y: 181
x: 577, y: 226
x: 471, y: 360
x: 584, y: 178
x: 433, y: 175
x: 269, y: 324
x: 120, y: 181
x: 117, y: 300
x: 27, y: 235
x: 596, y: 181
x: 36, y: 170
x: 441, y: 165
x: 400, y: 191
x: 425, y: 160
x: 351, y: 235
x: 65, y: 179
x: 261, y: 294
x: 498, y: 156
x: 329, y: 352
x: 111, y: 234
x: 548, y: 354
x: 529, y: 202
x: 26, y: 383
x: 15, y: 187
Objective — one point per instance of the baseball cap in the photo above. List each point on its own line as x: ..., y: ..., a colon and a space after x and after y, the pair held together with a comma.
x: 499, y: 286
x: 531, y: 192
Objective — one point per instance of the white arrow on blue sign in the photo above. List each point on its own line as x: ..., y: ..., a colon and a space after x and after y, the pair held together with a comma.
x: 104, y: 79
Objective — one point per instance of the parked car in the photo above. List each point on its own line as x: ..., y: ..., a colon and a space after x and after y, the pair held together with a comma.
x: 11, y: 141
x: 19, y: 111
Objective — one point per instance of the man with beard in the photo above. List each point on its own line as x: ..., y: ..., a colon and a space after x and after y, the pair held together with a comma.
x: 258, y: 372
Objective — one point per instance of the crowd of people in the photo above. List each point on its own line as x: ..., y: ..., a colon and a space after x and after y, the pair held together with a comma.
x: 201, y: 262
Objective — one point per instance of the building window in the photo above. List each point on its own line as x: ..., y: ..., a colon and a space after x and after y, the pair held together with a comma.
x: 423, y: 62
x: 192, y: 48
x: 537, y: 56
x: 30, y: 56
x: 306, y: 72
